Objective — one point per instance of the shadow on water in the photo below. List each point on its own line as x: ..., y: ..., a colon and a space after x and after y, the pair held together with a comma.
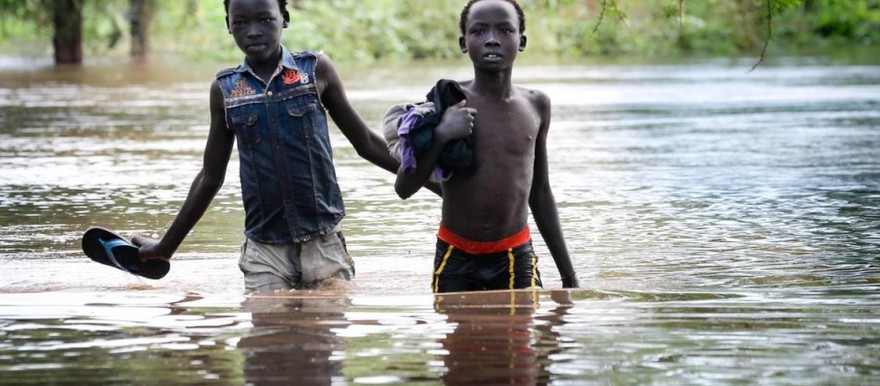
x: 724, y: 226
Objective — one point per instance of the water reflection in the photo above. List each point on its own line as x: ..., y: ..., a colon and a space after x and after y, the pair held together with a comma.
x: 105, y: 338
x: 497, y: 340
x: 293, y: 339
x: 498, y: 337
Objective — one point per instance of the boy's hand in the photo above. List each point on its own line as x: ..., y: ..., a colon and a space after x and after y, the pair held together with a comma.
x: 148, y: 249
x: 570, y: 281
x: 457, y: 122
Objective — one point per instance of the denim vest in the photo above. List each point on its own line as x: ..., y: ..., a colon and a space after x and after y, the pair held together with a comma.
x: 288, y: 181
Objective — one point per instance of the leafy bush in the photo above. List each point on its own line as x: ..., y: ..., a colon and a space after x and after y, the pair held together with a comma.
x: 364, y: 31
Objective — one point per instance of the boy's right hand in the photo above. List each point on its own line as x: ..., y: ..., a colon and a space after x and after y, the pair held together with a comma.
x: 149, y: 249
x: 457, y: 122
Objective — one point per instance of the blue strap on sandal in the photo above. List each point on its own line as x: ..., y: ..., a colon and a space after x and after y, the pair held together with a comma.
x: 108, y: 247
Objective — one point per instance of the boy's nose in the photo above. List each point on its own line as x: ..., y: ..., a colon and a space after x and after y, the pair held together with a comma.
x: 254, y: 31
x: 492, y: 40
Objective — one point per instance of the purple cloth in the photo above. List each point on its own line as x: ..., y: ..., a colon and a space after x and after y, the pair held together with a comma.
x: 408, y: 121
x: 407, y: 154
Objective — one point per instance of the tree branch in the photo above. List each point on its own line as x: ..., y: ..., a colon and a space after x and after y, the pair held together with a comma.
x: 601, y: 17
x: 769, y: 35
x: 680, y: 18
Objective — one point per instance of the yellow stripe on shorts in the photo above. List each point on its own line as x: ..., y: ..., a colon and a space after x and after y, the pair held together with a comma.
x: 511, y: 266
x: 534, y: 271
x: 440, y: 269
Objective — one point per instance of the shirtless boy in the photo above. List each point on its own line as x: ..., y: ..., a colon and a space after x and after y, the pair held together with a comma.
x: 484, y: 241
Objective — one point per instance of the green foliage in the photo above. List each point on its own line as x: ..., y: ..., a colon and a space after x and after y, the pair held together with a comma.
x: 36, y: 10
x: 376, y: 29
x: 364, y: 31
x: 780, y: 6
x: 20, y: 23
x: 857, y: 20
x: 821, y: 23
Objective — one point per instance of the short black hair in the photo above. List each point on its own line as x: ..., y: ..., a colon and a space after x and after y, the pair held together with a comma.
x: 467, y: 9
x: 282, y: 4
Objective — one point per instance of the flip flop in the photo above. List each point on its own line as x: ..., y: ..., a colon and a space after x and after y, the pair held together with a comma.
x: 110, y: 249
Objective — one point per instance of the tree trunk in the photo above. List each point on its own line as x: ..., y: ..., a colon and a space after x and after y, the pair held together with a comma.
x: 68, y: 26
x: 141, y: 17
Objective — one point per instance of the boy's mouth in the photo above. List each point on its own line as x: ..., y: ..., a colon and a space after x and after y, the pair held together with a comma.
x: 492, y: 56
x: 256, y: 47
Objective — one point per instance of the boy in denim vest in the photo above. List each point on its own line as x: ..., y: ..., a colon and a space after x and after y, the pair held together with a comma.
x: 274, y: 105
x: 484, y: 241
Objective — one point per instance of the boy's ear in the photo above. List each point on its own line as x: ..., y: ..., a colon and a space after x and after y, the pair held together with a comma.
x: 284, y: 25
x: 522, y: 43
x: 462, y: 44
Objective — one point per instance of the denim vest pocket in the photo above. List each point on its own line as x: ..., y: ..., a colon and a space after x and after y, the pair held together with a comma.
x: 245, y: 126
x: 304, y: 112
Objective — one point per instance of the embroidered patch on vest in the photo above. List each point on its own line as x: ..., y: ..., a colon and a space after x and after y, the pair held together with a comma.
x: 291, y: 77
x: 242, y: 88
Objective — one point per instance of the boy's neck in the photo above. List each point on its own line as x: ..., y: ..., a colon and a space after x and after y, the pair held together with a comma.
x: 264, y: 69
x: 496, y: 84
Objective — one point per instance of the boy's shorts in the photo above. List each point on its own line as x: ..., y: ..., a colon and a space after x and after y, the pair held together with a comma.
x: 464, y: 265
x: 269, y: 267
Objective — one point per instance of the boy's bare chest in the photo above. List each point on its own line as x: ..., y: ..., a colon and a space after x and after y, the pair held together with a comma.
x: 505, y: 127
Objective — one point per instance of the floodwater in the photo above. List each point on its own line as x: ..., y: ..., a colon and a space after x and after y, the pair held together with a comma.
x: 725, y: 226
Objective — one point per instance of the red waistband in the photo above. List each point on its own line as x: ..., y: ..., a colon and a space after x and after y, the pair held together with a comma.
x: 482, y: 247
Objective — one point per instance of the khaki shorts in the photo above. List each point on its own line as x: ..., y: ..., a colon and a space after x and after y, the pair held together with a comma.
x: 269, y: 267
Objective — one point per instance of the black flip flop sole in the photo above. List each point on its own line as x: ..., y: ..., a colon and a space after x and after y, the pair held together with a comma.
x: 99, y: 243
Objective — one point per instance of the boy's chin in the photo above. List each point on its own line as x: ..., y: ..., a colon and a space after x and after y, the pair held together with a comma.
x: 259, y: 52
x: 494, y: 66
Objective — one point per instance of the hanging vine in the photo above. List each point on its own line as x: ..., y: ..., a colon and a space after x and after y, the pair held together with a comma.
x: 601, y: 17
x: 769, y: 35
x: 770, y: 4
x: 604, y: 10
x: 680, y: 18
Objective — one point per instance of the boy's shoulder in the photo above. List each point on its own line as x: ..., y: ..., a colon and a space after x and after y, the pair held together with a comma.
x: 530, y: 93
x: 225, y: 72
x: 534, y: 96
x: 305, y: 54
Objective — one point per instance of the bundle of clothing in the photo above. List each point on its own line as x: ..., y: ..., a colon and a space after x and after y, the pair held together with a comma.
x: 409, y: 131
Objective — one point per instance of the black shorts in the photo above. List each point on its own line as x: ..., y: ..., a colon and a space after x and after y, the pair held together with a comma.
x: 456, y: 270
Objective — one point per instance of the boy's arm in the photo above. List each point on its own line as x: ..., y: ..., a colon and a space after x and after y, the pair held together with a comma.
x: 543, y: 204
x: 457, y: 122
x: 205, y: 186
x: 369, y: 145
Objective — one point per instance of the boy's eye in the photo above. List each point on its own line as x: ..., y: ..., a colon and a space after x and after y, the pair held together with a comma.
x: 267, y: 19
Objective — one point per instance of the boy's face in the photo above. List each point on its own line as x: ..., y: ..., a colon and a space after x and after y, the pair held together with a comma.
x: 256, y: 26
x: 492, y: 38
